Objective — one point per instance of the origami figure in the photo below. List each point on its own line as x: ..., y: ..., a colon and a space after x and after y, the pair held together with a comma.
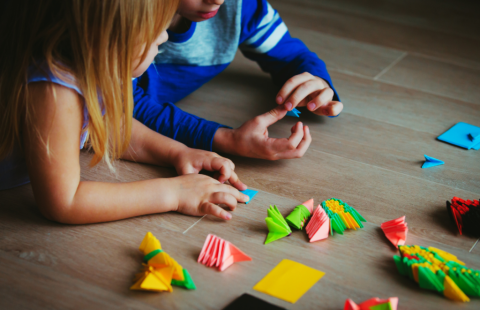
x: 466, y: 215
x: 300, y: 214
x: 217, y: 252
x: 396, y: 231
x: 342, y: 216
x: 294, y: 113
x: 276, y: 224
x: 373, y: 304
x: 319, y: 225
x: 431, y: 162
x: 439, y: 271
x: 160, y: 271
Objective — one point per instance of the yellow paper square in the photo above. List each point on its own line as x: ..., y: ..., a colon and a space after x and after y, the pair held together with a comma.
x: 289, y: 280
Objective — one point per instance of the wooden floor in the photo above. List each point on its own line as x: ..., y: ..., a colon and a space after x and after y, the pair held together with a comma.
x: 406, y: 71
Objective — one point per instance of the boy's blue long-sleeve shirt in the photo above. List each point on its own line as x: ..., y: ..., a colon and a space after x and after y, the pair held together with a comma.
x: 189, y: 60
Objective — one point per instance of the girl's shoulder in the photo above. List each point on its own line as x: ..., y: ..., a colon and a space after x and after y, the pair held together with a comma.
x: 43, y: 73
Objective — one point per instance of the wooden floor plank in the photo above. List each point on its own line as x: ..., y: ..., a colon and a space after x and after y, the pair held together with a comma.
x: 450, y: 47
x: 436, y: 77
x: 453, y: 17
x: 345, y: 55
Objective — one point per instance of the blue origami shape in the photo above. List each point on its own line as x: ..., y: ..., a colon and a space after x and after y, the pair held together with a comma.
x: 463, y: 135
x: 250, y: 193
x: 431, y: 162
x: 294, y: 113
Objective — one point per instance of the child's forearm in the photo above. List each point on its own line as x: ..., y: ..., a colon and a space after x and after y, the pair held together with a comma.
x: 96, y: 202
x: 150, y: 147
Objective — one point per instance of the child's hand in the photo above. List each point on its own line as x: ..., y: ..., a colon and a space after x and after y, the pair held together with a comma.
x: 199, y: 194
x: 251, y: 139
x: 310, y: 91
x: 193, y: 161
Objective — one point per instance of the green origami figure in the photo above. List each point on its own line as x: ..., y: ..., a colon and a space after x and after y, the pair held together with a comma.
x: 277, y: 226
x: 300, y: 214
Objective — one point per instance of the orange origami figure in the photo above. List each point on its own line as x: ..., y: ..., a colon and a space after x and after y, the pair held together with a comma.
x: 373, y: 304
x: 220, y: 253
x: 319, y: 225
x: 396, y: 231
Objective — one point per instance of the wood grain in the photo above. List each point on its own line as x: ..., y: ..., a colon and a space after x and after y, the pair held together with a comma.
x: 370, y: 157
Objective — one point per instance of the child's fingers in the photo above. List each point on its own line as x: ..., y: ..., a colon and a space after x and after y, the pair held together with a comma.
x: 235, y: 182
x: 271, y: 116
x: 296, y: 137
x: 241, y: 197
x: 210, y: 208
x: 224, y: 198
x: 302, y: 147
x: 303, y: 91
x: 321, y: 99
x: 332, y: 108
x: 290, y: 85
x: 187, y: 169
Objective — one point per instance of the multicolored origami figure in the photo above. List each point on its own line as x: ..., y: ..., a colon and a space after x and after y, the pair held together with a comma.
x: 396, y: 231
x: 342, y: 216
x: 300, y: 214
x: 373, y: 304
x: 319, y: 225
x: 466, y: 215
x: 276, y: 224
x: 220, y: 253
x: 438, y: 271
x: 160, y: 271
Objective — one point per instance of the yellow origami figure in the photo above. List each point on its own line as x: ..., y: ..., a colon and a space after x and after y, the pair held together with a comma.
x: 160, y: 271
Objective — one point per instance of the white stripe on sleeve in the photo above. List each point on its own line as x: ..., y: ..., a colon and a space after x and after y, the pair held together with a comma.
x: 260, y: 34
x: 272, y: 40
x: 268, y: 17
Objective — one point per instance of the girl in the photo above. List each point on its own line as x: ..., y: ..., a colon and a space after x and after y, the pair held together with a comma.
x: 66, y: 68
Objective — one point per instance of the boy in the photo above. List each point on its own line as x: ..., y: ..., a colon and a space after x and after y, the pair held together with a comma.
x: 204, y: 37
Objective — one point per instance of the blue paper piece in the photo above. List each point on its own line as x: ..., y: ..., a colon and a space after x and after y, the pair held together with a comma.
x: 461, y: 135
x: 250, y: 193
x: 431, y: 162
x: 294, y: 113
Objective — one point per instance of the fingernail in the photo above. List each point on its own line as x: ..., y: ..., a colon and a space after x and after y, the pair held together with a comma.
x: 288, y: 105
x: 279, y: 99
x: 307, y: 129
x: 228, y: 216
x: 246, y: 198
x: 311, y: 106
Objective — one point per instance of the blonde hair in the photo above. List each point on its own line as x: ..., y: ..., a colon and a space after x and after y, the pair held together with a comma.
x: 95, y: 41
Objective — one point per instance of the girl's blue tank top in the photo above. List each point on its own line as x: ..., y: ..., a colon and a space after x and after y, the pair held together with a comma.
x: 13, y: 168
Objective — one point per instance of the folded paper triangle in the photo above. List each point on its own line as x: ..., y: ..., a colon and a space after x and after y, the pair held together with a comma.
x: 250, y: 193
x: 294, y: 113
x: 300, y: 214
x: 342, y: 216
x: 373, y: 304
x: 276, y: 224
x: 396, y: 231
x: 220, y: 253
x: 319, y: 225
x: 160, y: 271
x: 431, y: 162
x: 153, y: 279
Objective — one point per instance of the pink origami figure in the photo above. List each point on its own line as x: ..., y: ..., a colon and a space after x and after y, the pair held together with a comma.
x: 220, y: 253
x: 319, y: 225
x: 373, y: 304
x: 396, y: 231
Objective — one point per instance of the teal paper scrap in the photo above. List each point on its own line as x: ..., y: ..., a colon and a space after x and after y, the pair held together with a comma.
x: 294, y: 113
x: 462, y: 135
x: 250, y: 193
